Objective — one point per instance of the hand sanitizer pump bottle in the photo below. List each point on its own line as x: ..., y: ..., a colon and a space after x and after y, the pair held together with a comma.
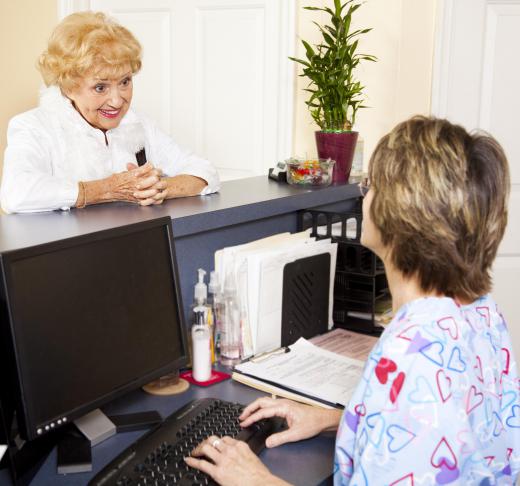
x: 199, y: 302
x: 200, y: 333
x: 230, y: 327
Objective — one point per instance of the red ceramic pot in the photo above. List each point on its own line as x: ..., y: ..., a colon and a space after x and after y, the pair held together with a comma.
x: 338, y: 146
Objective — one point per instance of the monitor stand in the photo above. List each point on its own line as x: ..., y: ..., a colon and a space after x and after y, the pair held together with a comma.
x: 74, y: 448
x: 74, y: 452
x: 24, y: 458
x: 170, y: 384
x: 95, y: 426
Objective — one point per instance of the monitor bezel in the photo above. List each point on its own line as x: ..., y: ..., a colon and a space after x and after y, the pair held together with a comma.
x: 28, y: 428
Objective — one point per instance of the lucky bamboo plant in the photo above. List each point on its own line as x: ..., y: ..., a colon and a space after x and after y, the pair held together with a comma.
x: 336, y: 95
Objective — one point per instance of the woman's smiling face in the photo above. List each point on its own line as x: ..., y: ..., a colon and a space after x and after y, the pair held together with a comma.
x: 103, y: 102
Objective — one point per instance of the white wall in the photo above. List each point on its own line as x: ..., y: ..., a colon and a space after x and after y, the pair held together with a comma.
x: 397, y: 86
x: 25, y: 26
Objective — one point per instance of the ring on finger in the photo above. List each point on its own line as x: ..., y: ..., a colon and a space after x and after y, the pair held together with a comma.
x: 215, y: 443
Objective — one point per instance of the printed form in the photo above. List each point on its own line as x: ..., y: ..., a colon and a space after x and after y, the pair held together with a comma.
x: 310, y: 370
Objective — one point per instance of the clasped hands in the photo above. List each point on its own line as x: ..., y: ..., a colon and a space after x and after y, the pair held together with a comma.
x: 143, y: 185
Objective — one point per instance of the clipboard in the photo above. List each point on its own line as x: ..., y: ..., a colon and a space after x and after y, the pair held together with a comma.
x: 296, y: 372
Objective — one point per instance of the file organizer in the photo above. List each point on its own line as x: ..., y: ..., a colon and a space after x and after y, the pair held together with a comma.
x: 305, y: 304
x: 360, y: 279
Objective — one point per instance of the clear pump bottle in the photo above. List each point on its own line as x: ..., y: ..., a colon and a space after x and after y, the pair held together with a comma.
x: 230, y: 327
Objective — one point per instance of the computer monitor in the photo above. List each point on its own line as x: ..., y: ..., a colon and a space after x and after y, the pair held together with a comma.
x: 90, y: 318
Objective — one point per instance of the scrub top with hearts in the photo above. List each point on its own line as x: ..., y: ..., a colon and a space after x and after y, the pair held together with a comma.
x: 438, y: 402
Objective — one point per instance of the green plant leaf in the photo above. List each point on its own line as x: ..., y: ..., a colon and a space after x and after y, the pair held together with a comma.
x: 353, y: 8
x: 330, y: 41
x: 335, y: 94
x: 313, y: 8
x: 309, y: 50
x: 301, y: 61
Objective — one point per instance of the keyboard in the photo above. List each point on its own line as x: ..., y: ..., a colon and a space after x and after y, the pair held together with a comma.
x: 157, y: 457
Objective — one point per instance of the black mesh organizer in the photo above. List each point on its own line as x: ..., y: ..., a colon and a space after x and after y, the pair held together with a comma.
x: 360, y: 280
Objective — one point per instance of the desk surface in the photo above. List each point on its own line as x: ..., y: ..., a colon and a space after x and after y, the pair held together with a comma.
x: 238, y: 202
x: 304, y: 463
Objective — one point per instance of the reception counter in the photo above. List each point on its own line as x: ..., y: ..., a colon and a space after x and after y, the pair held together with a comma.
x: 244, y: 210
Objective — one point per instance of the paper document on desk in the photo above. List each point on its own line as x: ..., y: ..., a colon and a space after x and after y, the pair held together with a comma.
x: 310, y: 370
x: 347, y: 343
x: 276, y: 390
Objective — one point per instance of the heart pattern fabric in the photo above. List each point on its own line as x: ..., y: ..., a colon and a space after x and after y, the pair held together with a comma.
x: 441, y: 382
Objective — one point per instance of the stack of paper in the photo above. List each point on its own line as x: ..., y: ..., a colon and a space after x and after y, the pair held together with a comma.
x: 256, y: 271
x: 383, y: 313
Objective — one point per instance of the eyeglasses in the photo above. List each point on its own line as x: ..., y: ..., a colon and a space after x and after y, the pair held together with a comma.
x: 364, y: 186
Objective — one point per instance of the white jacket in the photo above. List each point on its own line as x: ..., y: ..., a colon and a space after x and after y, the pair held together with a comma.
x: 51, y: 148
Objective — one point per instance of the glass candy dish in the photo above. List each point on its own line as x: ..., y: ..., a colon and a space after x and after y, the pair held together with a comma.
x: 309, y: 172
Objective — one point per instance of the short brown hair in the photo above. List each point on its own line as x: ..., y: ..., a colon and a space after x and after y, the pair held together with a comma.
x: 440, y: 202
x: 88, y: 42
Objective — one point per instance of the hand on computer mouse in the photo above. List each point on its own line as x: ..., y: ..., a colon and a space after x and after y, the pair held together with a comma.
x: 304, y: 421
x: 232, y: 461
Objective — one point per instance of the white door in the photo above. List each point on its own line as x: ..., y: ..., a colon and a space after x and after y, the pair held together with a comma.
x: 215, y: 75
x: 476, y: 82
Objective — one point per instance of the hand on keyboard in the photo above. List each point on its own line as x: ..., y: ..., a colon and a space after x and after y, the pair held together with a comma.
x: 157, y: 458
x: 303, y: 421
x: 232, y: 463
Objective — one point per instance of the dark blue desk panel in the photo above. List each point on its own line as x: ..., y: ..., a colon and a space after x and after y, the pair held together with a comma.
x: 244, y: 210
x: 305, y: 463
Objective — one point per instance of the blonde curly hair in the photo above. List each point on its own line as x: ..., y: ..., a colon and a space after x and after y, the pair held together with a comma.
x: 88, y: 43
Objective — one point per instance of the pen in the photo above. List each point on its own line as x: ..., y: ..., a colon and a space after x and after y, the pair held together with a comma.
x: 268, y: 354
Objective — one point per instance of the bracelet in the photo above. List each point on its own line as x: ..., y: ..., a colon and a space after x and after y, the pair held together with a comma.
x: 82, y: 191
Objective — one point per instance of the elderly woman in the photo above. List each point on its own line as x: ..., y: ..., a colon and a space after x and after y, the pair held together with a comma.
x: 439, y: 399
x: 79, y: 146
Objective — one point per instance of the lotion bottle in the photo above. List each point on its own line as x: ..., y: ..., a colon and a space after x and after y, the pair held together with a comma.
x: 200, y: 332
x: 201, y: 342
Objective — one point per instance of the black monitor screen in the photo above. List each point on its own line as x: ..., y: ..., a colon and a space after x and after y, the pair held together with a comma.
x: 92, y: 317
